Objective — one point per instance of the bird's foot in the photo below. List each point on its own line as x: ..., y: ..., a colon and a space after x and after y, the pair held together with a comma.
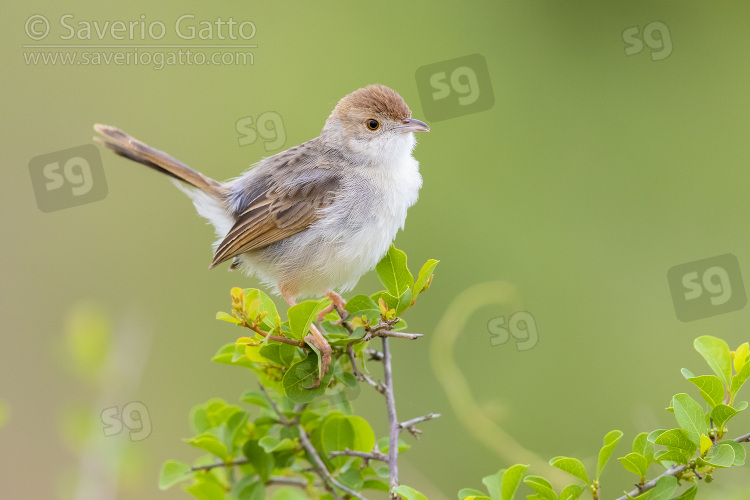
x: 319, y: 341
x: 337, y: 304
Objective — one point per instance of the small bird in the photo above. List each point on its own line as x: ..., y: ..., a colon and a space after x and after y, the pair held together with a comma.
x: 311, y: 220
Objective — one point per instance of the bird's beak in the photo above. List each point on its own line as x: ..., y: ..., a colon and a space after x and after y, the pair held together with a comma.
x: 412, y: 125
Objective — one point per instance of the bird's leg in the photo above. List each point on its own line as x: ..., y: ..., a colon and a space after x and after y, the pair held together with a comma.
x: 337, y: 304
x: 315, y: 338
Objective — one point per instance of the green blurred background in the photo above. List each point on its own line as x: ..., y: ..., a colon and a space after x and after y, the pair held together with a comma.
x: 593, y: 173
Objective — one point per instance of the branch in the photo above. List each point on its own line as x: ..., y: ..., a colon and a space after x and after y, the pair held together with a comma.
x: 409, y: 424
x: 219, y: 464
x: 321, y: 468
x: 398, y: 335
x: 390, y: 401
x: 361, y: 375
x: 318, y: 464
x: 298, y: 343
x: 674, y: 471
x: 373, y: 455
x: 385, y: 329
x: 289, y: 481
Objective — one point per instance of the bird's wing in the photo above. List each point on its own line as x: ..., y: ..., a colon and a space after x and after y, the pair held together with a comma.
x: 290, y: 204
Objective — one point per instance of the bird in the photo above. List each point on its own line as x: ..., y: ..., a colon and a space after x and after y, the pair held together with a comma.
x: 311, y: 220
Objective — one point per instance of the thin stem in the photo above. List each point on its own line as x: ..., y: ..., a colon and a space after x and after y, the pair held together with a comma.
x: 361, y: 375
x: 298, y: 343
x: 389, y: 333
x: 674, y: 471
x: 219, y: 464
x: 390, y: 401
x: 321, y: 468
x: 373, y: 455
x: 409, y: 424
x: 318, y: 464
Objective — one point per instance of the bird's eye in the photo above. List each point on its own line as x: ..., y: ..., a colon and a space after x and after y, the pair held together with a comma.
x: 373, y: 124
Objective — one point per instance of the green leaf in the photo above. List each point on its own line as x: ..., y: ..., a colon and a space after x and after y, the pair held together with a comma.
x: 664, y: 488
x: 494, y: 484
x: 673, y: 455
x: 206, y: 487
x: 266, y: 304
x: 280, y: 353
x: 400, y: 304
x: 222, y: 316
x: 271, y: 444
x: 393, y: 273
x: 351, y: 478
x: 211, y: 444
x: 173, y: 472
x: 739, y: 452
x: 653, y: 435
x: 572, y: 466
x: 706, y: 444
x: 511, y: 479
x: 301, y: 316
x: 572, y: 492
x: 423, y: 277
x: 643, y: 446
x: 362, y: 305
x: 339, y: 432
x: 304, y: 374
x: 688, y: 494
x: 739, y: 380
x: 262, y: 462
x: 690, y: 416
x: 677, y: 439
x: 375, y: 484
x: 469, y: 493
x: 722, y: 414
x: 407, y: 492
x: 610, y: 441
x: 635, y: 463
x: 255, y: 398
x: 716, y: 353
x: 249, y: 488
x: 541, y: 486
x: 741, y: 356
x: 720, y: 455
x: 711, y: 388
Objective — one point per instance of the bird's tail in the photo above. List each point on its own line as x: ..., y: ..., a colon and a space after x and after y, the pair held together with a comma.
x: 130, y: 147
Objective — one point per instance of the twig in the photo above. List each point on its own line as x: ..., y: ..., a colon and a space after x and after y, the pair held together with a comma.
x: 373, y: 455
x: 390, y: 401
x: 285, y: 421
x: 298, y: 343
x: 361, y: 375
x: 389, y: 333
x: 290, y: 481
x: 674, y: 471
x: 318, y: 464
x: 374, y: 355
x: 321, y: 468
x: 219, y: 464
x: 409, y: 424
